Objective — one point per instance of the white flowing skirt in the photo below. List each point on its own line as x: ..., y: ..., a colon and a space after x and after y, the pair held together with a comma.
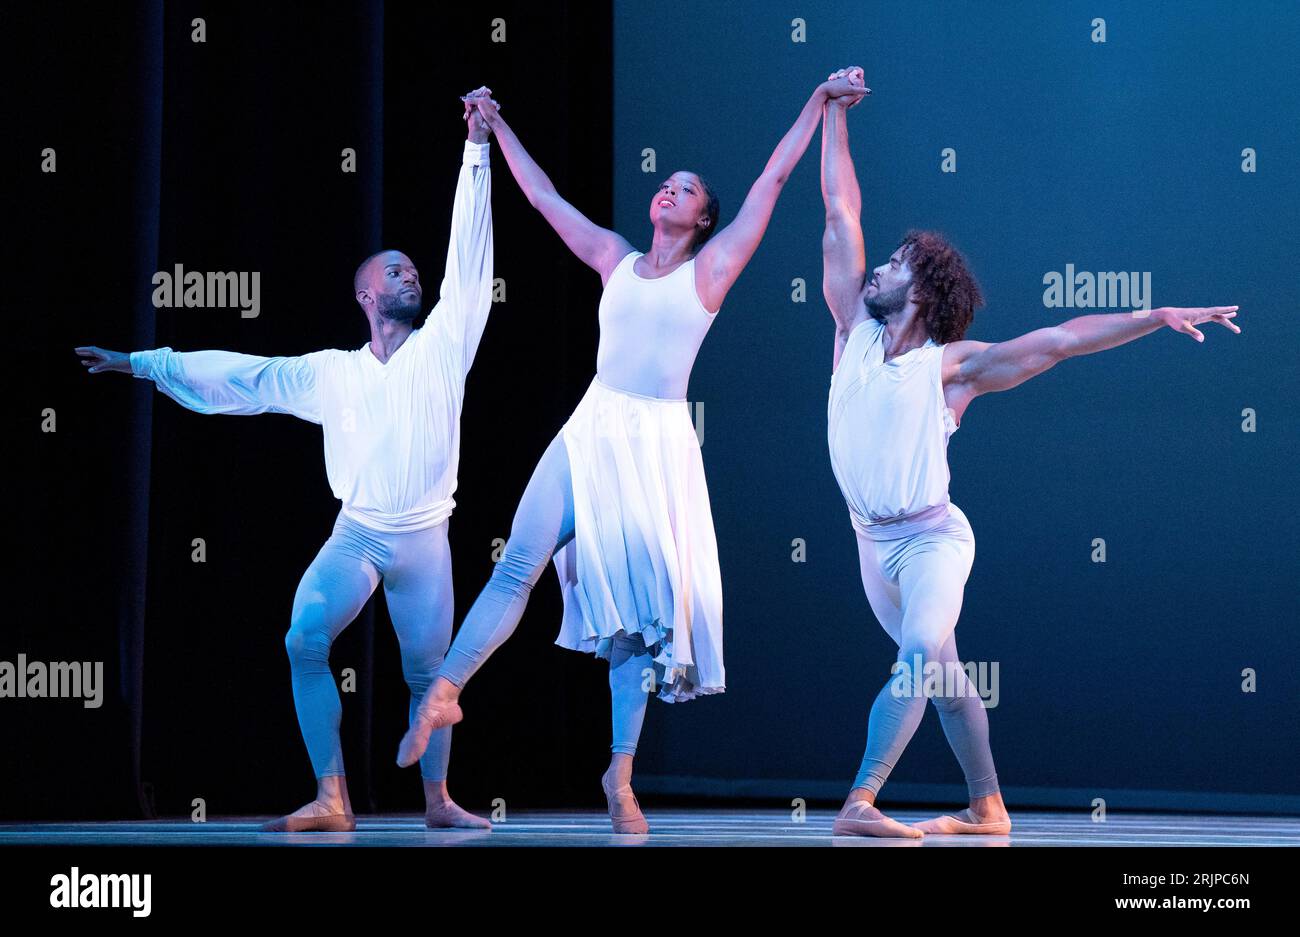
x: 643, y: 558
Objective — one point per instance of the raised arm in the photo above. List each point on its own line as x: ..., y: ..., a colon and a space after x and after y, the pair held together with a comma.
x: 721, y: 260
x: 465, y: 296
x: 844, y: 253
x: 982, y: 367
x: 597, y: 247
x: 220, y: 381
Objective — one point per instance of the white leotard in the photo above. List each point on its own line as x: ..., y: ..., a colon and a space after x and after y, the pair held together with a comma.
x: 888, y: 429
x: 650, y: 330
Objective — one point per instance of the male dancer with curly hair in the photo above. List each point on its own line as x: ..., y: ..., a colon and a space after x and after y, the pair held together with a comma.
x: 902, y: 379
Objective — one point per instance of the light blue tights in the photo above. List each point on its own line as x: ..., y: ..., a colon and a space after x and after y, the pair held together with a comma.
x: 543, y: 523
x: 915, y: 586
x: 416, y: 571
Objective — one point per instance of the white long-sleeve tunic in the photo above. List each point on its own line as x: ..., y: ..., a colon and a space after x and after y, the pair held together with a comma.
x: 391, y: 431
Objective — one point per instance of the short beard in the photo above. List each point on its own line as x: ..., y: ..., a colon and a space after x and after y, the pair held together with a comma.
x: 392, y: 307
x: 884, y: 305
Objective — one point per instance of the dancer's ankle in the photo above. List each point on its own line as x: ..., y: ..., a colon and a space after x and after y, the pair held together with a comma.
x: 619, y: 772
x: 332, y: 792
x: 444, y: 690
x: 436, y: 794
x: 989, y: 807
x: 861, y: 795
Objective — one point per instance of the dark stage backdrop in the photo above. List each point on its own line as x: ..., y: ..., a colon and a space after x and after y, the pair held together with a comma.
x: 226, y: 155
x: 1120, y: 680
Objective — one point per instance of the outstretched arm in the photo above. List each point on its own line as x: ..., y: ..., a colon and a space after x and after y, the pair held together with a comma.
x: 980, y: 367
x: 597, y: 247
x: 721, y: 260
x: 844, y: 252
x: 465, y: 296
x: 220, y: 381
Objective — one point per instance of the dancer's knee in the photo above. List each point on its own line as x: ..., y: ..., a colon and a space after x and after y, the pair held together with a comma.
x: 918, y: 664
x: 519, y: 568
x: 307, y: 641
x: 913, y: 651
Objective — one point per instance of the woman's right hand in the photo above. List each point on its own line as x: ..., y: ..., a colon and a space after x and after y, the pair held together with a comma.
x: 846, y: 88
x: 480, y: 100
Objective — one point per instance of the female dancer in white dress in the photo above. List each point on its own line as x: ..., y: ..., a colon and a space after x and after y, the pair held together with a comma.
x: 619, y: 500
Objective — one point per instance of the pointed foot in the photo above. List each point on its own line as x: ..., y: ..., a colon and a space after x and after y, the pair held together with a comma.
x: 624, y: 810
x: 431, y: 716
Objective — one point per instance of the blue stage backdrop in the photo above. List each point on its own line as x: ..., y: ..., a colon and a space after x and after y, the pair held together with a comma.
x: 1165, y: 676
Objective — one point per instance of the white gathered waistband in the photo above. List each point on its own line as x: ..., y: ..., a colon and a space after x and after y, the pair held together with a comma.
x: 428, y: 516
x: 902, y: 526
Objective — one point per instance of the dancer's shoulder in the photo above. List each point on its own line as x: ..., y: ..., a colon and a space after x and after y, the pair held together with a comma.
x: 866, y: 329
x: 624, y: 266
x: 854, y: 341
x: 318, y: 359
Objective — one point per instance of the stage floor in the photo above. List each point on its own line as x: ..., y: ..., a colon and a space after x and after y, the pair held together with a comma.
x: 676, y: 827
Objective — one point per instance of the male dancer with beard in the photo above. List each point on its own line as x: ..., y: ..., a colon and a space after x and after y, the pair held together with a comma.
x: 902, y: 380
x: 390, y: 414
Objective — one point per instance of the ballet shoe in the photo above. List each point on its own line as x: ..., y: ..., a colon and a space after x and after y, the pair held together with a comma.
x: 428, y: 719
x: 949, y: 824
x: 854, y: 824
x: 452, y: 816
x: 628, y: 822
x: 329, y: 823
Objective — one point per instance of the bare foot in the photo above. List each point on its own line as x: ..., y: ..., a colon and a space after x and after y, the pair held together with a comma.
x: 861, y: 818
x: 438, y: 708
x: 449, y: 815
x: 317, y: 816
x: 968, y: 821
x: 624, y: 811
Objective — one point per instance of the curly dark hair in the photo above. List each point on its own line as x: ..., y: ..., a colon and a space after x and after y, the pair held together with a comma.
x: 713, y: 210
x: 946, y: 292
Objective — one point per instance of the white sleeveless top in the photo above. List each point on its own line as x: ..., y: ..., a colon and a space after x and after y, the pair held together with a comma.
x: 650, y: 330
x: 888, y: 429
